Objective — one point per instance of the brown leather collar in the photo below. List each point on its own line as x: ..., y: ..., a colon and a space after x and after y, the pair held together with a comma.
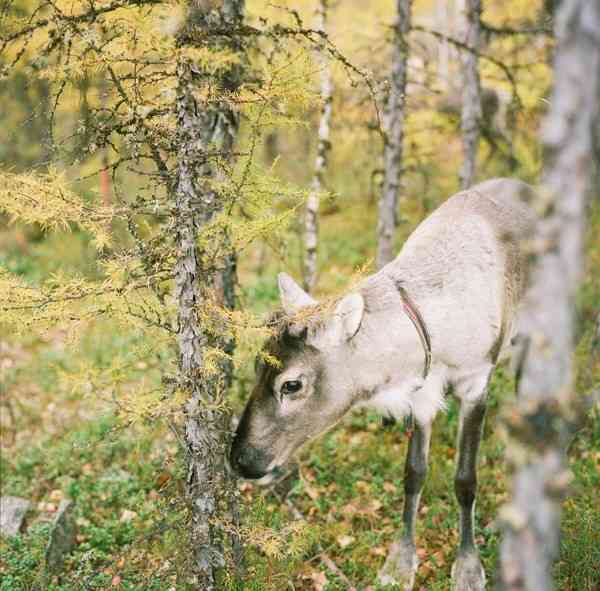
x: 415, y: 317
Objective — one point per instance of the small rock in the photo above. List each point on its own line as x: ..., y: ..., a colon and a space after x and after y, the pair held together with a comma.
x: 62, y: 535
x: 12, y: 514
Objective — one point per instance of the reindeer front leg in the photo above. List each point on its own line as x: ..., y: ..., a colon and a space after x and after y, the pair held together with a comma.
x: 467, y: 571
x: 401, y: 564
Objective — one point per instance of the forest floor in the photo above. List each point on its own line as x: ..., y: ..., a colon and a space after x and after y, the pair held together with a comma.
x: 126, y: 480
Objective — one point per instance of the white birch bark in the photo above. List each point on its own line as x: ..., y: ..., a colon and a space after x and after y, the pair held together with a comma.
x: 539, y: 425
x: 323, y: 147
x: 203, y: 128
x: 471, y: 92
x: 394, y: 136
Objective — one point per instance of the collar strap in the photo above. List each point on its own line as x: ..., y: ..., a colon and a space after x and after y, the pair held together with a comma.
x: 415, y: 317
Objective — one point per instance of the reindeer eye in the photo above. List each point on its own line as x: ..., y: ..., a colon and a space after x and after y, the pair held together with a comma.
x: 291, y: 386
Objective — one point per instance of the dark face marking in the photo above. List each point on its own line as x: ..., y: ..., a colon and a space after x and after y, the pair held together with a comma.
x: 287, y: 407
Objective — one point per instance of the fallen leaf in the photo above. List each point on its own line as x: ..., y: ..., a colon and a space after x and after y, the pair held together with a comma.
x: 439, y: 558
x: 312, y: 492
x: 389, y: 487
x: 116, y: 581
x: 421, y: 553
x: 162, y: 479
x: 127, y: 515
x: 362, y: 486
x: 345, y: 541
x: 309, y: 475
x: 378, y: 551
x: 350, y: 509
x: 319, y: 580
x: 56, y: 495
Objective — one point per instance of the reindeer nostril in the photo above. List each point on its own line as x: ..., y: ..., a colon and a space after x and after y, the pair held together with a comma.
x: 249, y: 462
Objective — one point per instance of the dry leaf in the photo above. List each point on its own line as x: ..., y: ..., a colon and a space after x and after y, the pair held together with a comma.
x: 162, y: 479
x: 312, y: 492
x: 246, y: 486
x: 345, y: 541
x: 362, y: 486
x: 389, y: 487
x: 46, y: 507
x: 56, y: 495
x: 127, y: 515
x: 319, y: 580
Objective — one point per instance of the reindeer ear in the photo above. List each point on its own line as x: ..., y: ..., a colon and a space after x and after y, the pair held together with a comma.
x: 293, y: 297
x: 341, y: 325
x: 349, y: 313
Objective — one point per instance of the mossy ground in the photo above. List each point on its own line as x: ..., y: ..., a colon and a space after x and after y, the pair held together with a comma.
x: 127, y: 479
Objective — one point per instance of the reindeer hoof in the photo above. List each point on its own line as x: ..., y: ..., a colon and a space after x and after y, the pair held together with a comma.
x: 468, y: 573
x: 400, y: 566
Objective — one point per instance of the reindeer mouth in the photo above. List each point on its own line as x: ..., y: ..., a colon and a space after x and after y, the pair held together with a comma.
x: 273, y: 475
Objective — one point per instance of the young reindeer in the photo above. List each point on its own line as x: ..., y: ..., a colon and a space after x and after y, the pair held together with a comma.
x: 437, y: 317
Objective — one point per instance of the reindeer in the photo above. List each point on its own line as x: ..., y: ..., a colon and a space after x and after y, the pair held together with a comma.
x: 436, y: 319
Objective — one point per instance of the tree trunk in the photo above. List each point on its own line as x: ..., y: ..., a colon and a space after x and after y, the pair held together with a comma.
x: 471, y: 92
x: 312, y: 203
x: 547, y: 408
x: 394, y: 136
x: 205, y: 282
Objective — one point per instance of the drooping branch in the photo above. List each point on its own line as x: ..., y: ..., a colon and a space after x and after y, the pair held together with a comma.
x: 506, y: 69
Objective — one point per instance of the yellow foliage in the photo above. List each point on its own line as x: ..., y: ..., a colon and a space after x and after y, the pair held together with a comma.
x: 47, y: 200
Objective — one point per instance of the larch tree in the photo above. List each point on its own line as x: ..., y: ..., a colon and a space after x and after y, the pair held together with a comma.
x: 203, y: 276
x: 311, y: 224
x: 470, y: 118
x: 547, y: 411
x: 394, y: 123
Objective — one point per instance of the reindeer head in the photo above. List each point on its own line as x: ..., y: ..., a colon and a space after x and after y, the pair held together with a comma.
x: 310, y: 389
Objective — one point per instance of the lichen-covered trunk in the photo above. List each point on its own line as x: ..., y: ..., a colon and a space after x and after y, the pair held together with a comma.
x: 547, y: 407
x: 204, y: 280
x: 323, y: 146
x: 471, y: 92
x: 394, y: 136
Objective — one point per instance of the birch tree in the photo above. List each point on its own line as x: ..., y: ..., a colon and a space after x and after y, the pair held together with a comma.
x: 204, y: 277
x: 547, y: 409
x: 471, y: 92
x: 394, y: 135
x: 323, y: 147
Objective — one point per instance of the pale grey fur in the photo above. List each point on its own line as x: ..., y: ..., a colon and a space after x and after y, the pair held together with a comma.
x: 464, y: 269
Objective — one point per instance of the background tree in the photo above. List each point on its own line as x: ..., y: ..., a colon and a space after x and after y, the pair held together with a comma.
x: 394, y: 124
x: 323, y: 147
x: 471, y: 91
x: 548, y: 407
